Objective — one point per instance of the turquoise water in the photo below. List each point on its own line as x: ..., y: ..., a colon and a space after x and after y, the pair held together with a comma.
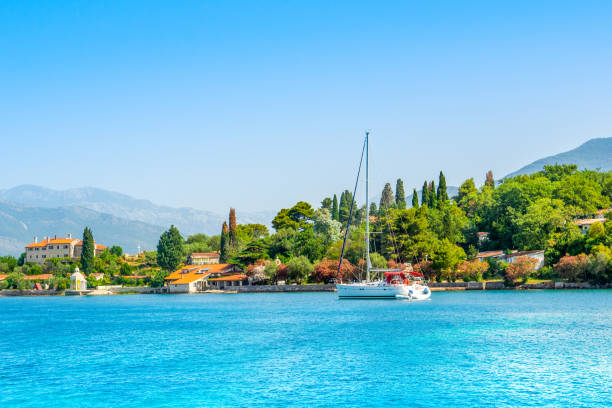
x: 524, y: 348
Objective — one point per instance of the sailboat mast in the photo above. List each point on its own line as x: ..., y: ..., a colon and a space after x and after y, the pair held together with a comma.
x: 367, y: 235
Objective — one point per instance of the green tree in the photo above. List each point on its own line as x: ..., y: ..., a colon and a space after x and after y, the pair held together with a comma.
x: 373, y: 209
x: 224, y: 244
x: 334, y: 210
x: 433, y: 198
x: 87, y: 254
x: 116, y: 250
x: 415, y: 199
x: 442, y: 194
x: 300, y: 268
x: 296, y: 217
x: 232, y: 228
x: 170, y: 249
x: 125, y: 270
x: 386, y: 199
x: 425, y: 194
x: 489, y: 181
x: 400, y: 195
x: 446, y: 257
x: 327, y: 203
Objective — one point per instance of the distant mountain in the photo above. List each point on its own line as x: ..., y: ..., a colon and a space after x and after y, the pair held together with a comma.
x: 592, y: 155
x: 19, y: 225
x: 27, y: 211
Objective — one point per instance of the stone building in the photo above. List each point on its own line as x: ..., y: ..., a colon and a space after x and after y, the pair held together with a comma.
x: 55, y: 247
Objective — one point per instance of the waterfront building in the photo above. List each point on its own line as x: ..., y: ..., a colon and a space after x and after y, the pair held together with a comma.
x: 500, y: 255
x: 204, y: 258
x: 39, y: 252
x: 585, y: 225
x: 228, y: 281
x: 194, y: 278
x: 77, y: 281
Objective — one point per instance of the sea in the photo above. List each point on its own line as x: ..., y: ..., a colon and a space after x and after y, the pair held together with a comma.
x: 458, y: 349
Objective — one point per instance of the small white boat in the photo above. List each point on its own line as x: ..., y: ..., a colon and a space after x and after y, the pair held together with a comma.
x: 397, y: 283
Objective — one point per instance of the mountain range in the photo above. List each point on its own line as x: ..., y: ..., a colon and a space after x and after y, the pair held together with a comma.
x: 593, y: 154
x: 29, y: 211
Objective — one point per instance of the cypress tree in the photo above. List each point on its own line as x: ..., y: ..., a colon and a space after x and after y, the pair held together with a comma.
x: 490, y: 182
x: 334, y: 211
x: 87, y: 254
x: 425, y: 194
x: 432, y: 195
x: 415, y: 199
x: 342, y: 213
x: 386, y: 199
x: 170, y: 249
x: 223, y: 255
x: 345, y: 206
x: 232, y: 227
x: 373, y: 209
x: 400, y: 195
x: 442, y: 194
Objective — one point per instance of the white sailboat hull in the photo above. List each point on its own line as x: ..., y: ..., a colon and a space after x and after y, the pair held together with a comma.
x: 382, y: 291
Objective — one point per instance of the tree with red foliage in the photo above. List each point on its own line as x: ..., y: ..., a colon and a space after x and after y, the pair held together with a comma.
x: 572, y: 267
x: 426, y: 268
x: 282, y: 272
x: 327, y: 269
x: 520, y: 269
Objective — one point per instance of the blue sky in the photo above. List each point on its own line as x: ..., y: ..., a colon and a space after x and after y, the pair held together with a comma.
x: 260, y: 104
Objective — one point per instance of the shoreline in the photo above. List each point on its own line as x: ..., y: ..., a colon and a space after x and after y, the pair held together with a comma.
x: 435, y: 287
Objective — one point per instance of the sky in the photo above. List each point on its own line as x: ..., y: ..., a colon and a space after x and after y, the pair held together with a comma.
x: 258, y: 105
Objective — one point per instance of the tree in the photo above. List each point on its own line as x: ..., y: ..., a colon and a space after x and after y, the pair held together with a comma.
x: 327, y: 270
x: 296, y: 217
x: 489, y: 181
x: 232, y: 228
x: 373, y: 209
x: 415, y: 199
x: 400, y: 195
x: 572, y: 267
x: 446, y: 257
x: 324, y: 225
x: 170, y: 249
x: 433, y: 197
x: 87, y: 254
x: 224, y: 251
x: 467, y: 196
x: 386, y: 199
x: 519, y: 270
x: 472, y: 270
x: 300, y: 269
x: 425, y: 194
x: 125, y: 269
x: 327, y: 203
x: 116, y: 250
x: 334, y: 209
x: 442, y: 194
x: 346, y: 200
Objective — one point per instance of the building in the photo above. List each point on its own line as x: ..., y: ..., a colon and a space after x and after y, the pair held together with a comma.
x: 224, y: 282
x: 55, y: 247
x: 482, y: 237
x: 538, y: 255
x: 77, y: 281
x: 194, y: 278
x: 586, y: 224
x: 203, y: 258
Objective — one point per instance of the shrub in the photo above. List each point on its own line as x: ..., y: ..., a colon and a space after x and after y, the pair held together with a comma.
x: 327, y: 270
x: 572, y: 267
x: 519, y: 270
x: 426, y: 268
x: 300, y: 269
x: 472, y: 270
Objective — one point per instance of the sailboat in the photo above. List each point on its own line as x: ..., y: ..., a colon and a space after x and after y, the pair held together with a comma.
x: 397, y: 283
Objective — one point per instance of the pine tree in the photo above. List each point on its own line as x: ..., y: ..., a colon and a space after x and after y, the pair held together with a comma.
x: 400, y: 195
x: 442, y: 193
x: 490, y: 182
x: 224, y: 253
x: 425, y: 194
x: 386, y: 199
x: 433, y: 202
x: 88, y: 251
x: 232, y: 228
x: 415, y: 199
x: 170, y: 249
x: 334, y: 211
x: 326, y: 203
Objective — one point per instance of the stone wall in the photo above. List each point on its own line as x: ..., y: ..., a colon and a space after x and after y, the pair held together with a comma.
x: 30, y: 293
x: 283, y: 288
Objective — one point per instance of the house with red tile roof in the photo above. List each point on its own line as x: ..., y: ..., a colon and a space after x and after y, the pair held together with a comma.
x: 194, y: 278
x: 204, y: 258
x: 39, y: 252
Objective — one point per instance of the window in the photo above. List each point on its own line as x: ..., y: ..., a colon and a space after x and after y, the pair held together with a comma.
x: 44, y: 256
x: 65, y: 247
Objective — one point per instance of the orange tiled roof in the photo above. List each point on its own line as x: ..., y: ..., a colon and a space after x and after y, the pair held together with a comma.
x: 38, y: 277
x: 3, y: 277
x: 487, y: 254
x: 135, y: 276
x: 205, y: 254
x: 188, y: 279
x: 229, y: 278
x: 589, y: 221
x: 198, y: 270
x: 98, y: 246
x: 51, y: 241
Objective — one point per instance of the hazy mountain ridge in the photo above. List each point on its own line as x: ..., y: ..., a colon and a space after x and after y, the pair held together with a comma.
x: 592, y: 155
